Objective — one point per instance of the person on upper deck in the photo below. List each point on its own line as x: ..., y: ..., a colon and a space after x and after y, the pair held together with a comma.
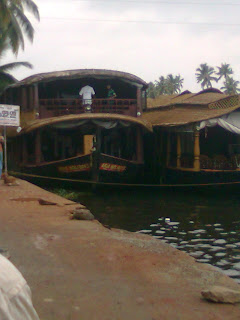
x: 87, y: 93
x: 111, y: 93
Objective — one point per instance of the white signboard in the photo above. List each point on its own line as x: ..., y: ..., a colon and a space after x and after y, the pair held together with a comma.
x: 9, y: 115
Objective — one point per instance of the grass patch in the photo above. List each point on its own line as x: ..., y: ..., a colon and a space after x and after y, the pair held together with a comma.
x: 67, y: 194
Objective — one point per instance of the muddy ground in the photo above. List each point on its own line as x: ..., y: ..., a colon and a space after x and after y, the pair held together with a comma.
x: 84, y: 271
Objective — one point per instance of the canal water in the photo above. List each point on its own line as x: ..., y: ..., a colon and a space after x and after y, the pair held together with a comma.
x: 207, y: 225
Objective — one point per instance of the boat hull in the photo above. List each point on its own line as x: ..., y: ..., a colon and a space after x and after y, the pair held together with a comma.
x: 91, y: 168
x: 203, y: 177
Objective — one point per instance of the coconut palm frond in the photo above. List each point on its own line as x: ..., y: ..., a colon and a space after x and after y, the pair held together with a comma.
x: 13, y: 19
x: 4, y: 76
x: 32, y: 7
x: 5, y: 80
x: 14, y: 65
x: 28, y: 29
x: 15, y: 36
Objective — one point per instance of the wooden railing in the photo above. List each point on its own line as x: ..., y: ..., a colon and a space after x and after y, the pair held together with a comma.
x: 216, y: 162
x: 219, y: 162
x: 58, y: 107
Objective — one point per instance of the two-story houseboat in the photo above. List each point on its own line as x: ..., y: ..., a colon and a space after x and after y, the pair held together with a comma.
x: 60, y: 140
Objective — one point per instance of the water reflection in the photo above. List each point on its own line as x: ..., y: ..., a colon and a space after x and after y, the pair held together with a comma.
x: 207, y: 226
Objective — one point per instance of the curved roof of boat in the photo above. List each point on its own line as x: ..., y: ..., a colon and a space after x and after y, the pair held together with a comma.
x: 40, y: 123
x: 77, y: 74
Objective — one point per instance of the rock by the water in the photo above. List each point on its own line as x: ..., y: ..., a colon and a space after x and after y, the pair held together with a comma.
x: 221, y: 294
x: 237, y: 266
x: 196, y: 254
x: 82, y: 214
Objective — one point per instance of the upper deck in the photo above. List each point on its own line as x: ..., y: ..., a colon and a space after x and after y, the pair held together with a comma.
x: 55, y: 94
x: 59, y: 107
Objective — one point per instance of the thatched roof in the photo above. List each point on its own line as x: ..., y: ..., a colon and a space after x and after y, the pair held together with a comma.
x: 77, y: 74
x: 36, y: 124
x: 203, y: 97
x: 192, y: 108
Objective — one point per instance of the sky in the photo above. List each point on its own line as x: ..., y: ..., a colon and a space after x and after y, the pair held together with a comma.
x: 150, y: 38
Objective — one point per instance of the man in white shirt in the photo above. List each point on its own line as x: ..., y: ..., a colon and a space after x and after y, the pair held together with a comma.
x: 15, y: 294
x: 87, y: 93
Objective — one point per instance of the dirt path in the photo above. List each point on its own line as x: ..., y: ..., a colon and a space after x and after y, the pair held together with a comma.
x: 84, y: 271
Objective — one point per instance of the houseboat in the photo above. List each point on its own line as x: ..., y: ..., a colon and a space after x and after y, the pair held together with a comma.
x: 196, y: 139
x: 61, y: 139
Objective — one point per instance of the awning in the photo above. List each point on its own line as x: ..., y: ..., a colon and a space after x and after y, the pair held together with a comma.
x: 229, y: 122
x: 105, y: 120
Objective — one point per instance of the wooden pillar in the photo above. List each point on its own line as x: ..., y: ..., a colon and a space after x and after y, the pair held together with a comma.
x: 36, y: 99
x: 139, y: 99
x: 179, y: 151
x: 145, y: 98
x: 24, y: 99
x: 5, y: 97
x: 30, y: 98
x: 168, y: 148
x: 139, y: 145
x: 10, y: 96
x: 87, y: 144
x: 196, y: 165
x: 38, y: 152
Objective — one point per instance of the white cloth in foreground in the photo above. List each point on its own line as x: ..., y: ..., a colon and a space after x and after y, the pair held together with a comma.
x: 230, y: 122
x: 87, y: 92
x: 15, y: 294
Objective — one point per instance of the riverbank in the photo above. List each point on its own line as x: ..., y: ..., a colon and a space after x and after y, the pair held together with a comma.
x: 82, y: 270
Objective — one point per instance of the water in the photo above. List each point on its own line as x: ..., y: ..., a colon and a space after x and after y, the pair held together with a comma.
x: 207, y: 226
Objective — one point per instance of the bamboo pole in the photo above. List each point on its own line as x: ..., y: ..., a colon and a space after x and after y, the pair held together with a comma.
x: 168, y: 148
x: 36, y: 98
x: 139, y: 99
x: 179, y: 152
x: 196, y: 165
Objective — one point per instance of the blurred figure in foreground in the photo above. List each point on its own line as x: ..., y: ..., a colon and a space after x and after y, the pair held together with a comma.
x: 1, y: 154
x: 15, y: 294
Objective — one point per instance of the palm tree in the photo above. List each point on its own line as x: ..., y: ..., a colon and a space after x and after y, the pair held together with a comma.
x: 160, y: 86
x: 14, y: 24
x: 151, y: 91
x: 230, y: 86
x: 5, y: 77
x: 204, y: 75
x: 173, y: 84
x: 224, y: 71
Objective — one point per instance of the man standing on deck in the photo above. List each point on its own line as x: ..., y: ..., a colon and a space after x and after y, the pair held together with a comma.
x: 111, y: 95
x: 1, y: 155
x: 87, y: 93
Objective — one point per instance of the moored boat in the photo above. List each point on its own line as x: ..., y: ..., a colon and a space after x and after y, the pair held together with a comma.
x: 60, y: 138
x: 196, y: 140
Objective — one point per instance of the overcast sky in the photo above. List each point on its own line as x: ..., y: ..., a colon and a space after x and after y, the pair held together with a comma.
x: 170, y: 36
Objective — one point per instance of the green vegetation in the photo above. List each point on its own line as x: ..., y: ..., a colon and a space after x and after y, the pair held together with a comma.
x: 205, y: 76
x: 14, y: 25
x: 169, y: 85
x: 67, y: 194
x: 5, y: 77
